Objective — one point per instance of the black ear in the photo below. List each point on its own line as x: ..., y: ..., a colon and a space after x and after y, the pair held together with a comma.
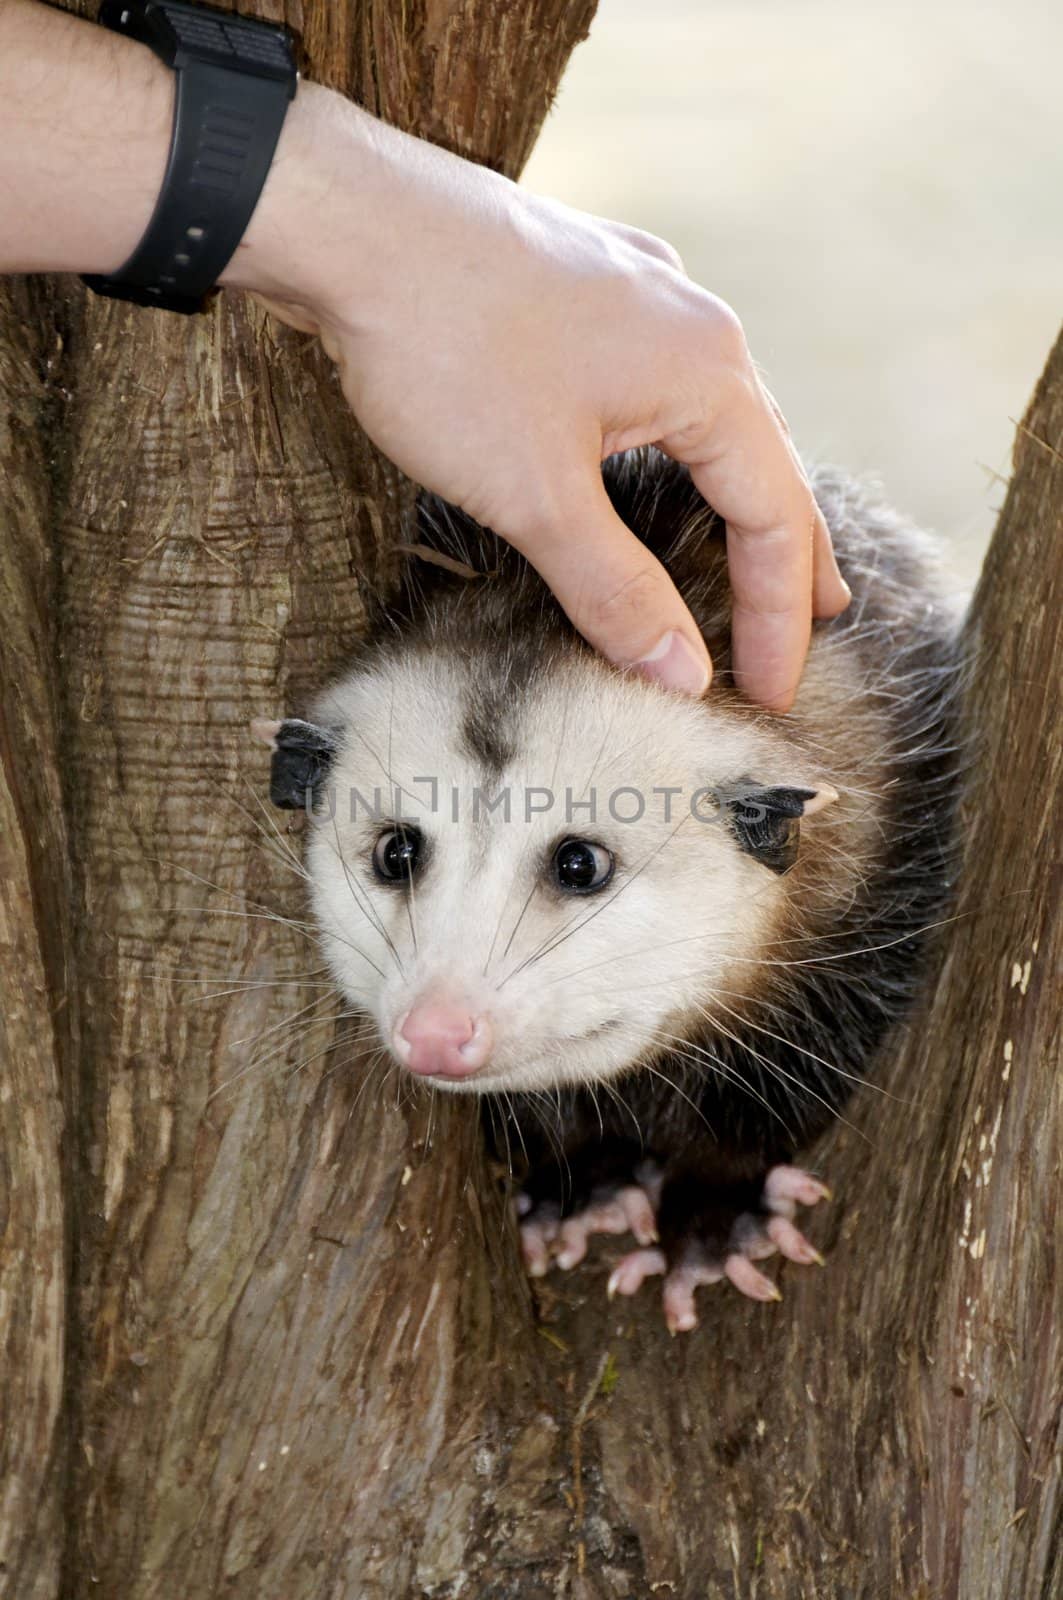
x: 302, y: 755
x: 766, y: 821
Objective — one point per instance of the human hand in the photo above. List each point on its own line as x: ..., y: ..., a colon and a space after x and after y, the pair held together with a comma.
x: 497, y: 346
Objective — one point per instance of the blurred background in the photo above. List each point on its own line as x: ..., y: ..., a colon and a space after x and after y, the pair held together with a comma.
x: 877, y: 189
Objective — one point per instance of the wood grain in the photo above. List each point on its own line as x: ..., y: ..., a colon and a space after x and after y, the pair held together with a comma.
x: 38, y: 999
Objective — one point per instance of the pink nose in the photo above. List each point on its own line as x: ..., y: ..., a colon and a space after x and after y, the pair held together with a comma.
x: 438, y: 1039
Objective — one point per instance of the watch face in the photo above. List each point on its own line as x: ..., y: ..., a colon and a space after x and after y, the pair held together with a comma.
x: 181, y: 34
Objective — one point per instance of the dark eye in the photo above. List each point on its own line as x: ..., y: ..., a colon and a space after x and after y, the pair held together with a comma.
x: 581, y: 867
x: 397, y: 854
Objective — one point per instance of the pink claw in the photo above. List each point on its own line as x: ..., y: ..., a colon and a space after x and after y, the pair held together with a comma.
x: 573, y: 1242
x: 638, y: 1213
x: 629, y: 1210
x: 745, y: 1277
x: 791, y: 1243
x: 678, y: 1296
x: 786, y: 1185
x: 629, y: 1276
x: 535, y: 1241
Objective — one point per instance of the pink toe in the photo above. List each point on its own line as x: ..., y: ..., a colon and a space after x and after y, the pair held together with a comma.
x: 536, y: 1242
x: 535, y: 1251
x: 759, y: 1249
x: 745, y: 1277
x: 608, y: 1218
x: 679, y: 1313
x: 792, y: 1243
x: 573, y: 1243
x: 639, y: 1215
x: 793, y: 1183
x: 628, y: 1276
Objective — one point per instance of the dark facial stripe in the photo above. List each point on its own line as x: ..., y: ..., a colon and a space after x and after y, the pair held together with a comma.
x: 483, y: 734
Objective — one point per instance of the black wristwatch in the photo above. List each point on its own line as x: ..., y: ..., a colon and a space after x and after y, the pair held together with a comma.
x: 235, y: 79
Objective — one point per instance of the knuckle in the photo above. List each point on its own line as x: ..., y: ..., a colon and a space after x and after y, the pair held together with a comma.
x: 660, y: 249
x: 723, y: 332
x: 647, y: 244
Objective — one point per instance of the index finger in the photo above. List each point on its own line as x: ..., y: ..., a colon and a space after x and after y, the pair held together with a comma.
x: 746, y: 469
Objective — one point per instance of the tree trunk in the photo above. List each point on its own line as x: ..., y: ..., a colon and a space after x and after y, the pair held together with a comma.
x: 264, y: 1328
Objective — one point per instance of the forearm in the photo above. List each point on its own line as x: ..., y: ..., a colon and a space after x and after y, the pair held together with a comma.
x: 85, y: 120
x: 85, y: 123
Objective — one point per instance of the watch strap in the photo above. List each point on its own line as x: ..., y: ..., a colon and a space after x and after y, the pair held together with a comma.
x: 234, y: 79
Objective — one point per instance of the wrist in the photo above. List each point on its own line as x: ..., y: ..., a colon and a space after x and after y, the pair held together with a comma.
x: 311, y: 210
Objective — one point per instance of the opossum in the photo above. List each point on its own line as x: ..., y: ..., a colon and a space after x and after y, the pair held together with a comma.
x: 664, y: 938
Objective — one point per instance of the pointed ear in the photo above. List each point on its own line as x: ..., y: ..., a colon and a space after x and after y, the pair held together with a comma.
x: 766, y: 820
x: 302, y: 755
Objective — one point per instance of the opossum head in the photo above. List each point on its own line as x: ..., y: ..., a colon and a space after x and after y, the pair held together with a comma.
x: 544, y: 879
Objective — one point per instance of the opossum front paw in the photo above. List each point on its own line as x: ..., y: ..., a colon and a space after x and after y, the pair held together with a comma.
x: 708, y: 1236
x: 548, y: 1237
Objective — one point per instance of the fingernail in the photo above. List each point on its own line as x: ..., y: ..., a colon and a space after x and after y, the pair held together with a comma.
x: 674, y: 664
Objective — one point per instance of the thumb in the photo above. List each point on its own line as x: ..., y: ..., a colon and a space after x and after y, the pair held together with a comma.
x: 615, y: 592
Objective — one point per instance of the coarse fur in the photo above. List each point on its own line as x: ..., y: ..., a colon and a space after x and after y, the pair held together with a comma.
x: 713, y: 1007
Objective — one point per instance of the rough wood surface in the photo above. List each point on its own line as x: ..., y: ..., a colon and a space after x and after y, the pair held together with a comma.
x: 38, y: 999
x: 303, y: 1362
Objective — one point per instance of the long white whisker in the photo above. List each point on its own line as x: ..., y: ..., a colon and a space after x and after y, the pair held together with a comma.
x: 365, y: 905
x: 851, y: 1077
x: 566, y: 933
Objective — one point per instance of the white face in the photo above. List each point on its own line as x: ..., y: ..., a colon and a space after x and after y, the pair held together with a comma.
x: 559, y: 945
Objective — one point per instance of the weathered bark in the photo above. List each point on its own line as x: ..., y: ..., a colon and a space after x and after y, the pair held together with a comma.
x: 303, y: 1362
x: 38, y: 993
